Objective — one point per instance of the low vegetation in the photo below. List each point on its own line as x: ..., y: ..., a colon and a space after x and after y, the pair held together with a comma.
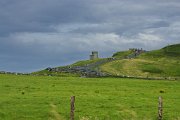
x: 168, y: 52
x: 48, y: 98
x: 162, y: 63
x: 143, y: 68
x: 52, y: 73
x: 65, y: 72
x: 85, y: 62
x: 122, y: 54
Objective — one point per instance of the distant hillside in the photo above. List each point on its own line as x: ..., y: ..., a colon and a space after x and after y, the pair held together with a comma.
x: 168, y: 51
x: 77, y: 69
x: 162, y: 63
x: 85, y: 62
x: 122, y: 54
x: 157, y: 63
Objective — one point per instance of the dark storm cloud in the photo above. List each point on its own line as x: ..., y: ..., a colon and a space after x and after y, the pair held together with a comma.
x: 39, y: 33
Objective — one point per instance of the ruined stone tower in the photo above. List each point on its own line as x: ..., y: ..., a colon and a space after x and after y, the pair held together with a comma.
x: 94, y: 55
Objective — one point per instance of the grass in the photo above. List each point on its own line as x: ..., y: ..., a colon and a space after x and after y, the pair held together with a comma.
x: 48, y: 98
x: 143, y: 67
x: 52, y: 73
x: 172, y: 50
x: 122, y: 54
x: 125, y: 67
x: 168, y: 52
x: 150, y: 68
x: 157, y: 63
x: 66, y: 74
x: 85, y: 62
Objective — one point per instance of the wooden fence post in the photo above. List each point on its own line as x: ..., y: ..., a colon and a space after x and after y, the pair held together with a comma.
x: 72, y: 108
x: 160, y: 108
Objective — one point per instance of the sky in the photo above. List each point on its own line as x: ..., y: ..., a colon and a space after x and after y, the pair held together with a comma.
x: 36, y: 34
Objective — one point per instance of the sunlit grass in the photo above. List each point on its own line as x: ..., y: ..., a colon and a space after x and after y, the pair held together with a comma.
x: 43, y: 98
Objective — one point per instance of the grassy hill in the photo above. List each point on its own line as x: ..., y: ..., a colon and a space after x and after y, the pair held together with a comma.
x: 64, y: 70
x: 85, y: 62
x: 52, y: 73
x: 162, y: 63
x: 122, y: 54
x: 48, y: 98
x: 157, y: 63
x: 169, y: 52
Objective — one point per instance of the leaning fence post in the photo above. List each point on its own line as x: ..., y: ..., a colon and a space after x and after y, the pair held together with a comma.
x: 72, y: 108
x: 160, y: 108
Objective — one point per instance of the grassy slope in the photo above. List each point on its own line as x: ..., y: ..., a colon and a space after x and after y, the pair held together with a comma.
x: 51, y: 73
x: 122, y: 54
x: 62, y: 74
x: 43, y: 97
x: 85, y: 62
x: 158, y: 63
x: 169, y: 52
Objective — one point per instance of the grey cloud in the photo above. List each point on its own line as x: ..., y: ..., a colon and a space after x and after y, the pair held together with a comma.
x: 41, y: 33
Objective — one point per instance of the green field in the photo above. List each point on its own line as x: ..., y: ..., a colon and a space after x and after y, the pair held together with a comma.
x: 48, y: 98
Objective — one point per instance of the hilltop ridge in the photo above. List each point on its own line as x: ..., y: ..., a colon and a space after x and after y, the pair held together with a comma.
x: 162, y: 63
